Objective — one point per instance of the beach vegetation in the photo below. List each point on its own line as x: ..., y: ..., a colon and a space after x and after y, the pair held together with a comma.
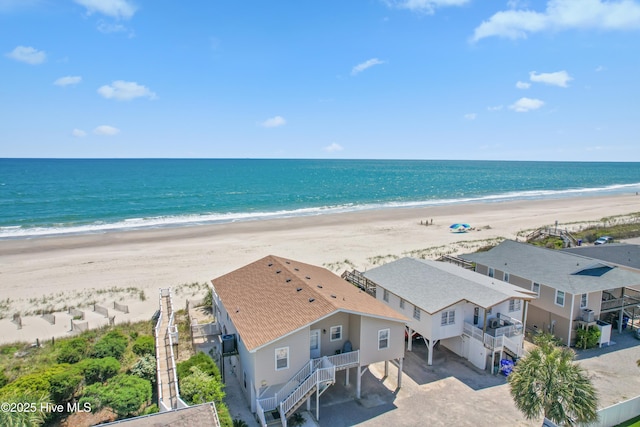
x: 113, y: 343
x: 587, y: 338
x: 24, y: 418
x: 145, y: 368
x: 143, y: 345
x: 125, y: 394
x: 546, y: 382
x: 200, y: 381
x: 99, y: 370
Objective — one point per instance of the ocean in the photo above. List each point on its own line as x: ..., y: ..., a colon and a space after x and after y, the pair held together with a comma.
x: 43, y: 197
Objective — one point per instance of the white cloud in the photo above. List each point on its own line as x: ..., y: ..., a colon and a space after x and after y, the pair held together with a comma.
x: 27, y: 54
x: 523, y: 85
x: 600, y: 68
x: 106, y: 130
x: 559, y: 78
x: 68, y: 80
x: 125, y: 91
x: 78, y: 133
x: 424, y: 6
x: 470, y: 116
x: 332, y: 148
x: 364, y: 65
x: 523, y: 105
x: 119, y: 9
x: 562, y: 15
x: 274, y: 122
x: 495, y: 108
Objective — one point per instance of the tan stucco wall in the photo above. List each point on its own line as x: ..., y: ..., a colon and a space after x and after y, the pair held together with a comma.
x: 369, y: 352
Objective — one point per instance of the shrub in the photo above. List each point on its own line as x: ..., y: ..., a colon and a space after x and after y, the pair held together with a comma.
x: 144, y: 344
x: 125, y: 394
x: 63, y: 385
x: 112, y: 344
x: 145, y: 368
x: 36, y: 383
x: 203, y: 362
x: 72, y: 351
x: 3, y: 379
x: 587, y: 338
x: 99, y: 370
x: 200, y: 387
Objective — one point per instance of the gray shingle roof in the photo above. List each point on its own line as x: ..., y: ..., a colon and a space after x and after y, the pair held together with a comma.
x: 433, y: 285
x: 616, y: 253
x: 553, y: 268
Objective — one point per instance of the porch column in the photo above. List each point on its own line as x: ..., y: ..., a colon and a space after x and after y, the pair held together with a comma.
x: 430, y: 352
x: 358, y: 382
x: 346, y: 376
x: 386, y: 368
x: 400, y: 371
x: 621, y: 310
x: 410, y: 341
x: 317, y: 403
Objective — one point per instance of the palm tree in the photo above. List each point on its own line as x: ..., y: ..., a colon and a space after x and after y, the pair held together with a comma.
x: 547, y: 382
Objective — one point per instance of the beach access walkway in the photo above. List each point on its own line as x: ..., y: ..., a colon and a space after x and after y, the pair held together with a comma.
x: 166, y: 334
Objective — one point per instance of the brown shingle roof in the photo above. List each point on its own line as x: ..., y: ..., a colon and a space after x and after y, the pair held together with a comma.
x: 274, y: 296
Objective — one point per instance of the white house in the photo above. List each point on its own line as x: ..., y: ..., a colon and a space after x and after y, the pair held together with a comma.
x: 477, y: 317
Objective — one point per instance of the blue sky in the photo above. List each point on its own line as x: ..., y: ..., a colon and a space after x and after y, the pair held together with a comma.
x: 414, y: 79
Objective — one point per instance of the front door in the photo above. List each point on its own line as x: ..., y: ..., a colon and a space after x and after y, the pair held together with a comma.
x: 314, y: 343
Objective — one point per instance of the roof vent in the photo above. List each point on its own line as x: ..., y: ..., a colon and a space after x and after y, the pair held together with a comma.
x: 278, y: 271
x: 333, y: 296
x: 296, y: 269
x: 307, y: 277
x: 320, y: 286
x: 270, y: 264
x: 312, y: 299
x: 287, y: 262
x: 298, y: 289
x: 288, y: 280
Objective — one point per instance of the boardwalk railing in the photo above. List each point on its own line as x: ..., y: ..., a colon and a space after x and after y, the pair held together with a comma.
x: 357, y: 278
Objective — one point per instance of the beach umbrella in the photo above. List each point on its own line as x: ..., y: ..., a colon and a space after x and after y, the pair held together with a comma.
x: 459, y: 225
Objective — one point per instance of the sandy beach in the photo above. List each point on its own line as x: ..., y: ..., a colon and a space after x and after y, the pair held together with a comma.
x: 55, y: 273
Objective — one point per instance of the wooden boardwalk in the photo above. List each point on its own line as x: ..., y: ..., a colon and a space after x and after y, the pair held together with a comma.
x: 166, y: 375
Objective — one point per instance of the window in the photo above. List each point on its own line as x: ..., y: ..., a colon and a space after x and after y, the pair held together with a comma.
x: 383, y: 339
x: 336, y: 333
x: 282, y: 358
x: 506, y: 277
x: 385, y: 295
x: 416, y: 313
x: 536, y: 288
x: 560, y: 298
x: 491, y: 272
x: 514, y: 305
x: 448, y: 318
x: 584, y: 300
x: 401, y: 303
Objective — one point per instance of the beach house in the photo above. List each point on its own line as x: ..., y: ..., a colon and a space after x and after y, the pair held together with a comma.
x: 292, y: 325
x: 573, y: 290
x: 476, y: 317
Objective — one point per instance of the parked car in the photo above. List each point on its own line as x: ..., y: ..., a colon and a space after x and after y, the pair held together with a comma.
x: 603, y: 240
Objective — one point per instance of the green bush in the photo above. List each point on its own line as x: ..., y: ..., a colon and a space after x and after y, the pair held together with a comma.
x: 125, y: 394
x: 72, y: 351
x: 203, y: 362
x: 145, y: 368
x: 112, y: 344
x: 63, y: 385
x: 99, y: 370
x: 3, y: 379
x: 36, y: 383
x: 200, y: 387
x: 587, y: 338
x: 144, y: 344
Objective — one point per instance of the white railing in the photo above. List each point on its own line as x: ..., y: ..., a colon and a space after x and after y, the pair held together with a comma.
x: 260, y: 413
x: 345, y: 359
x: 204, y: 329
x: 322, y: 375
x: 472, y: 331
x: 158, y: 374
x: 322, y: 369
x: 513, y: 346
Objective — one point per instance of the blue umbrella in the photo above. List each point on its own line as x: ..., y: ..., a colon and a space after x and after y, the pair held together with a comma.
x: 459, y: 227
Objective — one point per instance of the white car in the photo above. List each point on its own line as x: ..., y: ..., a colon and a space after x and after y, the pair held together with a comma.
x: 603, y: 240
